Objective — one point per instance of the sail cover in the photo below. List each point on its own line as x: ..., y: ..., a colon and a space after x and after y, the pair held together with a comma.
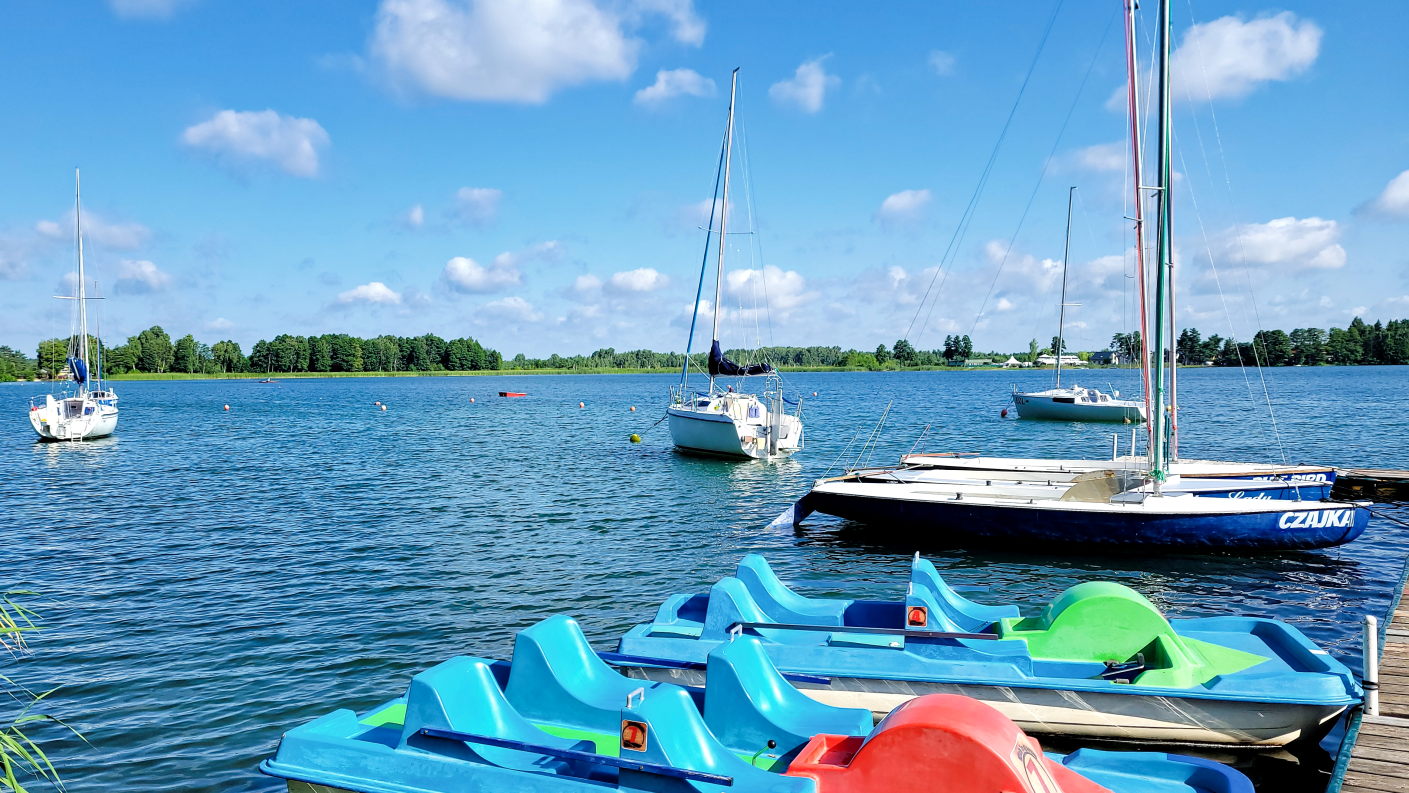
x: 79, y: 370
x: 719, y: 366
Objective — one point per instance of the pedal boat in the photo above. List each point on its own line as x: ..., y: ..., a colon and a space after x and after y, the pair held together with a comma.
x: 560, y: 719
x: 1099, y: 662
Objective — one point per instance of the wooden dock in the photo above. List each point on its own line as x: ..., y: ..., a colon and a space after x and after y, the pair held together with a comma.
x: 1373, y: 483
x: 1376, y: 756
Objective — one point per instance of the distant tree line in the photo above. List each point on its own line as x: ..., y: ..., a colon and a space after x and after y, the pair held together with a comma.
x: 1358, y: 343
x: 153, y: 352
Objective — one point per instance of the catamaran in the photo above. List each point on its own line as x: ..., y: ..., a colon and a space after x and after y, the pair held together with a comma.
x: 1073, y: 403
x: 721, y: 420
x: 1131, y: 503
x: 90, y: 410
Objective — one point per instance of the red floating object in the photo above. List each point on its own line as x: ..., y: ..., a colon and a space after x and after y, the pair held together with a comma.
x: 512, y: 393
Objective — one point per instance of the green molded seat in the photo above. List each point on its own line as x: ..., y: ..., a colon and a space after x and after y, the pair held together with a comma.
x: 1106, y: 621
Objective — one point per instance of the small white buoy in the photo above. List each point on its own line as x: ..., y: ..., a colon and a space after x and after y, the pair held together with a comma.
x: 227, y: 407
x: 472, y: 400
x: 633, y: 408
x: 383, y: 407
x: 582, y: 404
x: 814, y: 393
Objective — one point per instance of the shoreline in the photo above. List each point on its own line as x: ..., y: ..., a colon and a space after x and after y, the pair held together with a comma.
x: 515, y: 372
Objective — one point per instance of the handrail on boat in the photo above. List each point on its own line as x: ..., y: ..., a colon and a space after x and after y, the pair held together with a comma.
x: 784, y: 626
x: 573, y: 754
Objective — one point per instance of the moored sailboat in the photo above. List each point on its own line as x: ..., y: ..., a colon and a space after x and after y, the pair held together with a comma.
x: 1133, y: 503
x: 89, y: 411
x: 720, y: 420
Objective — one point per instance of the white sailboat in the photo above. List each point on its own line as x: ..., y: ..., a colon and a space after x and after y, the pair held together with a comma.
x: 722, y: 421
x: 1073, y: 403
x: 90, y: 410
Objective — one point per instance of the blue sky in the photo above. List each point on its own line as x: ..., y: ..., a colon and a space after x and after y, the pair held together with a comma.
x: 533, y: 173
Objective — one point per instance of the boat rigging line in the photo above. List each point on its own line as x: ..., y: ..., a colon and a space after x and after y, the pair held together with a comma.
x: 967, y: 216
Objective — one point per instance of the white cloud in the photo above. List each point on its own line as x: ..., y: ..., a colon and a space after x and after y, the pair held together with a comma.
x: 136, y: 276
x: 467, y: 275
x: 1230, y: 56
x: 903, y: 206
x: 477, y: 205
x: 512, y: 308
x: 1102, y: 157
x: 219, y: 323
x: 146, y: 9
x: 375, y: 292
x: 253, y: 135
x: 586, y: 284
x: 807, y: 89
x: 642, y: 279
x: 1393, y: 201
x: 96, y: 229
x: 941, y: 62
x: 1003, y: 304
x: 1290, y: 243
x: 524, y: 51
x: 415, y: 217
x: 783, y: 290
x: 672, y: 83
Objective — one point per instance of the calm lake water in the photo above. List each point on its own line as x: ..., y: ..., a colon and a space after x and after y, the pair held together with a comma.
x: 211, y: 579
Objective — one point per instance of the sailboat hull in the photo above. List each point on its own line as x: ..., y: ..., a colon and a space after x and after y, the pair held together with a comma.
x: 1038, y: 406
x: 722, y: 435
x: 58, y: 420
x: 944, y: 519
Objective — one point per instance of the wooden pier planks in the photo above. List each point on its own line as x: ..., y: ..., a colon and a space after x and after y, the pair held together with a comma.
x: 1379, y: 762
x: 1376, y: 483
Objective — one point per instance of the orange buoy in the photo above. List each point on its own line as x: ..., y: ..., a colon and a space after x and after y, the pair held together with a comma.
x: 633, y: 408
x: 377, y: 402
x: 472, y: 400
x: 582, y: 404
x: 814, y: 393
x: 227, y: 407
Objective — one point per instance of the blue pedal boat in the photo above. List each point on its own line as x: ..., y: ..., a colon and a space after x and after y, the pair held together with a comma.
x: 559, y: 719
x: 1100, y: 661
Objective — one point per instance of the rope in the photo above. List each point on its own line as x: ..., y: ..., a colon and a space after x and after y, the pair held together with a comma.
x: 1007, y: 251
x: 964, y: 219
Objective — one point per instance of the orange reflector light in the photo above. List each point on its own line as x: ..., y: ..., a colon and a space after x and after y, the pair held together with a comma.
x: 633, y: 735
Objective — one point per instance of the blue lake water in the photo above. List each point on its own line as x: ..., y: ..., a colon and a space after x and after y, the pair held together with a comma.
x: 212, y: 578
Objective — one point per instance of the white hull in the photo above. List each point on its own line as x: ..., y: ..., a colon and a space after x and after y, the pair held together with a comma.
x: 1111, y: 717
x: 732, y: 425
x: 1186, y: 468
x: 73, y: 419
x: 1062, y: 407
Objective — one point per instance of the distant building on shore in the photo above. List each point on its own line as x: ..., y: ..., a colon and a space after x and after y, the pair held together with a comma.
x: 1109, y: 358
x: 1067, y: 360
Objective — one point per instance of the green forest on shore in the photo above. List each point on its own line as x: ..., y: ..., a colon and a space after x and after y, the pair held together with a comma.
x: 152, y: 354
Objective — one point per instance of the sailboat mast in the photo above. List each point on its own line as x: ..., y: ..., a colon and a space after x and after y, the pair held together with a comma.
x: 1159, y: 452
x: 724, y: 209
x: 82, y: 353
x: 1062, y: 306
x: 1137, y: 175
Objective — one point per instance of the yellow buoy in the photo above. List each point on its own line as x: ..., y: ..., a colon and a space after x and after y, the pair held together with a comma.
x: 635, y: 438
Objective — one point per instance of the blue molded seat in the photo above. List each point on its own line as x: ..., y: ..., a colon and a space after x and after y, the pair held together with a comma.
x: 730, y: 601
x: 556, y: 677
x: 948, y: 609
x: 677, y: 736
x: 462, y: 695
x: 748, y: 703
x: 783, y: 604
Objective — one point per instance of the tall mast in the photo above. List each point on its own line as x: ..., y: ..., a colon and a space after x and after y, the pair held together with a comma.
x: 1137, y: 160
x: 724, y: 209
x: 1159, y: 451
x: 1062, y: 306
x: 82, y: 354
